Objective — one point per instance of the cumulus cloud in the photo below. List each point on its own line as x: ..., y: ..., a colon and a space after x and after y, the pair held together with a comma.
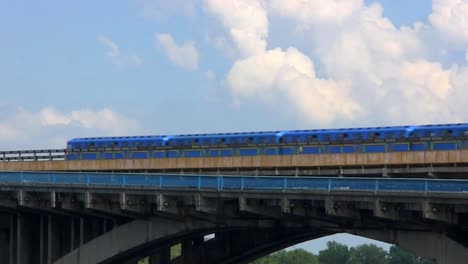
x: 369, y: 71
x: 277, y: 76
x: 450, y: 17
x: 184, y: 55
x: 309, y: 12
x: 115, y: 56
x: 288, y: 78
x: 246, y: 21
x: 51, y: 128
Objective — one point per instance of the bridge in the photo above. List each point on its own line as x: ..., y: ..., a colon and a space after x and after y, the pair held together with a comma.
x: 429, y: 163
x: 87, y: 217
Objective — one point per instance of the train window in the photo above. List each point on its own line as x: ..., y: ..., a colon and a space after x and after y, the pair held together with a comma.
x: 91, y: 145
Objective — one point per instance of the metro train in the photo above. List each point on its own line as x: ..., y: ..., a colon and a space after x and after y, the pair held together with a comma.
x: 294, y: 142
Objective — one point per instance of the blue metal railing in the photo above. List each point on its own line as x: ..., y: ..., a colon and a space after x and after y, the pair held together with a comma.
x: 121, y: 180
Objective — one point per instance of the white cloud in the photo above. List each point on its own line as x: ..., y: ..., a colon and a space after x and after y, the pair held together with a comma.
x: 450, y: 17
x: 50, y: 128
x: 309, y: 12
x: 247, y: 23
x: 370, y: 71
x: 184, y: 55
x: 288, y: 78
x: 114, y: 54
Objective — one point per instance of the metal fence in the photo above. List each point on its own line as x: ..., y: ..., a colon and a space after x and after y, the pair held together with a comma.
x: 122, y: 180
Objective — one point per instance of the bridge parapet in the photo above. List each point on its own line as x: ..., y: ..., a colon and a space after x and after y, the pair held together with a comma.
x: 451, y: 163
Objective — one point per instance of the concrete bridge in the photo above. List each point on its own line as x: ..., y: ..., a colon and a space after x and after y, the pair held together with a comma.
x: 442, y: 164
x: 121, y: 218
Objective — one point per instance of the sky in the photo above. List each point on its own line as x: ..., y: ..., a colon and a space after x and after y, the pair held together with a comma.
x: 140, y: 67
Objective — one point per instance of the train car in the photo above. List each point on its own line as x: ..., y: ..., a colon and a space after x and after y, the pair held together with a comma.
x: 293, y: 142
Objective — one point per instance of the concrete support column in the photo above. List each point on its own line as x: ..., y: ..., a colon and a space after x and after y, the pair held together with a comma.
x: 4, y: 244
x: 49, y: 239
x: 5, y: 237
x: 42, y: 239
x: 72, y: 233
x: 81, y: 231
x: 13, y: 239
x: 19, y: 227
x: 187, y: 251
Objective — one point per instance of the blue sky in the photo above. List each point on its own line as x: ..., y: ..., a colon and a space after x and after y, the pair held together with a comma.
x: 82, y: 68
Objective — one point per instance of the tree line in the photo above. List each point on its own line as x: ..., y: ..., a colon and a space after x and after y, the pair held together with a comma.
x: 337, y: 253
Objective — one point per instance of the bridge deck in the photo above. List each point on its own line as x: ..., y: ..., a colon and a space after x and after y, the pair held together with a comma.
x: 354, y: 160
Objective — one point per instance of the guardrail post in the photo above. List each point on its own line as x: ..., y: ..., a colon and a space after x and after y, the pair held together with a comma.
x: 160, y: 181
x: 123, y: 180
x: 21, y: 177
x: 54, y: 178
x: 376, y: 187
x: 242, y: 183
x: 87, y: 180
x: 199, y: 182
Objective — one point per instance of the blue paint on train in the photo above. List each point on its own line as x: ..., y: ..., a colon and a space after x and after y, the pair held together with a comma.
x: 296, y: 142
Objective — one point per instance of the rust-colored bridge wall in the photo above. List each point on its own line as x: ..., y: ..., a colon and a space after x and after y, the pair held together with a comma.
x: 305, y: 161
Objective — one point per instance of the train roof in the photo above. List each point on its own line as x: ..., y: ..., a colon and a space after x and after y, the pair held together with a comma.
x: 277, y: 133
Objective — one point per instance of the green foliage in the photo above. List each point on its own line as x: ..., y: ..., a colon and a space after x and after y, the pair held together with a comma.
x: 337, y: 253
x: 367, y: 254
x: 176, y: 250
x: 398, y: 256
x: 297, y: 256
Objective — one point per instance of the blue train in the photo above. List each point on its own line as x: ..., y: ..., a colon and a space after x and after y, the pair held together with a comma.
x: 295, y: 142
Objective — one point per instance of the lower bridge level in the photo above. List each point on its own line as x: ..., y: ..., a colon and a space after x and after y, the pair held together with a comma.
x: 122, y: 218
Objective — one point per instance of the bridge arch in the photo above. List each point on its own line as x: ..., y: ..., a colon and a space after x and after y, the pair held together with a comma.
x: 237, y: 241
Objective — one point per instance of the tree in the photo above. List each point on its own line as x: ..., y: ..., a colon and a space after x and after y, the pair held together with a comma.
x: 297, y: 256
x: 335, y: 253
x: 399, y: 256
x: 368, y: 254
